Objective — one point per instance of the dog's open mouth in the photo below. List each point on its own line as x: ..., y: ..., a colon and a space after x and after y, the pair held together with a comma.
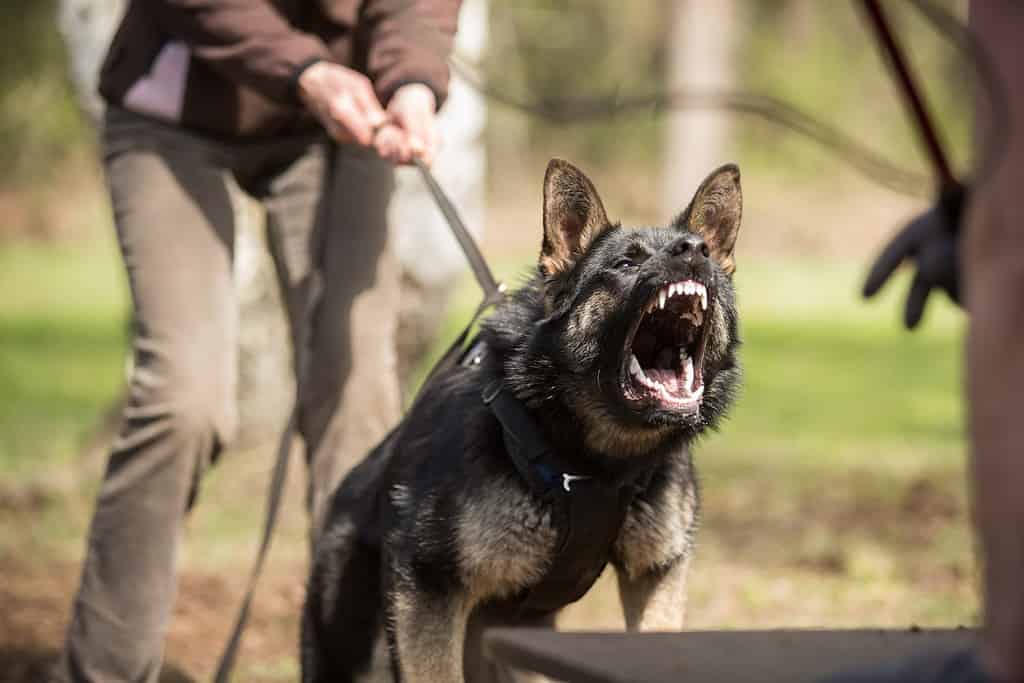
x: 665, y: 354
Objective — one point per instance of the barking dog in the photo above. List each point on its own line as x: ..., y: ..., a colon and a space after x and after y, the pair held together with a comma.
x: 559, y: 445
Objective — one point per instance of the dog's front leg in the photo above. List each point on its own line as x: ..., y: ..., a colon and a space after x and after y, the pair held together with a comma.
x: 655, y: 600
x: 427, y: 633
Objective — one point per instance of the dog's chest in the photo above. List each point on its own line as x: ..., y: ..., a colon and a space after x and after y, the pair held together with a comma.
x: 505, y: 540
x: 545, y: 555
x: 659, y: 529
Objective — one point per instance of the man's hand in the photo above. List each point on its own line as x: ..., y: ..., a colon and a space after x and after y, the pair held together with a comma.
x: 343, y: 101
x: 411, y: 130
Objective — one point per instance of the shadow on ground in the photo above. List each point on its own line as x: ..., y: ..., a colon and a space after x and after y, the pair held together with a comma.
x: 31, y: 664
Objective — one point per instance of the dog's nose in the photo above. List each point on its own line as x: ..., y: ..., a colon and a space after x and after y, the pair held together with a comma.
x: 690, y: 247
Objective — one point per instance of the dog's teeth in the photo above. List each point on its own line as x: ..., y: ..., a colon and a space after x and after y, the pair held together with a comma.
x: 634, y: 367
x: 672, y: 290
x: 704, y: 300
x: 688, y: 287
x: 661, y: 299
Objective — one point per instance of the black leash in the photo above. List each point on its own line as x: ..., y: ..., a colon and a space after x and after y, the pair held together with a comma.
x: 912, y: 94
x: 494, y: 291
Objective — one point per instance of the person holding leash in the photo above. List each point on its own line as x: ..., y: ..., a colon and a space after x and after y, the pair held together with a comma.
x: 305, y: 105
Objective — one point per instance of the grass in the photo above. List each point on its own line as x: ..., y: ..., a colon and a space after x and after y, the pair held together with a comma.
x: 62, y: 349
x: 835, y: 494
x: 828, y: 374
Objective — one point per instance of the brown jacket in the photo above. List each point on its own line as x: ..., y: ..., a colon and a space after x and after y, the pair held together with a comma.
x: 228, y: 67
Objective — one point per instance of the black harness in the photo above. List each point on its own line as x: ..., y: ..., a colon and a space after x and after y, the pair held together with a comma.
x: 588, y: 508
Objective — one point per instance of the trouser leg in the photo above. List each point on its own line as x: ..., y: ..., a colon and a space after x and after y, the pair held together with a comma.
x: 174, y: 223
x: 348, y: 390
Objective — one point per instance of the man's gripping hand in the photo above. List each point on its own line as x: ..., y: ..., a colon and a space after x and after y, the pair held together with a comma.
x: 342, y: 100
x: 411, y: 130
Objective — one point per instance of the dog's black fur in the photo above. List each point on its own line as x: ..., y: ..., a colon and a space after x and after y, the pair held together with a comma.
x: 436, y: 530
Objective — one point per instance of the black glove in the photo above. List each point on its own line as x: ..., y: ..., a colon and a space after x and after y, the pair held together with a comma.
x: 931, y: 241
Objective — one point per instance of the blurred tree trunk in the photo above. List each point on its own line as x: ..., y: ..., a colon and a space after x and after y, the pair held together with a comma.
x: 700, y: 42
x: 429, y: 256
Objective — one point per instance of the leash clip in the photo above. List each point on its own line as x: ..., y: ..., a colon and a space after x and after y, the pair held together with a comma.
x: 568, y: 479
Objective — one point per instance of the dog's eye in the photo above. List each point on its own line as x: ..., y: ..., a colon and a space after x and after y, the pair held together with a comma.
x: 625, y: 264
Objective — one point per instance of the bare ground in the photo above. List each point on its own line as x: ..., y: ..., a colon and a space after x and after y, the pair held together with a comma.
x: 850, y: 549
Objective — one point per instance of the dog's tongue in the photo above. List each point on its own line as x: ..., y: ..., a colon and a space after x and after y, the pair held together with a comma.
x: 666, y: 378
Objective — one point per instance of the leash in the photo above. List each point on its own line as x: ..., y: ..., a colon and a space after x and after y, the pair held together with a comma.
x: 912, y: 95
x: 494, y: 292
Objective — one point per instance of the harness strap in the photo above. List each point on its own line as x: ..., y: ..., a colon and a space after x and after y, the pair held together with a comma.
x: 527, y: 448
x: 589, y: 509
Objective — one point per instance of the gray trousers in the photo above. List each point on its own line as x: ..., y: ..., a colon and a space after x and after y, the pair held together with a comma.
x: 328, y: 235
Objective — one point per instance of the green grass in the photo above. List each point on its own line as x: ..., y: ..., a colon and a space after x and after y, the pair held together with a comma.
x: 827, y: 373
x: 834, y: 495
x: 62, y: 349
x: 830, y: 381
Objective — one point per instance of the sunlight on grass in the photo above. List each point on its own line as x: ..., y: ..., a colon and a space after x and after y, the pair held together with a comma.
x: 835, y: 494
x: 62, y: 346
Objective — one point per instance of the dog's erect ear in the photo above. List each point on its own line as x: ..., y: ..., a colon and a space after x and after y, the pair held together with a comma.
x: 573, y: 217
x: 715, y: 213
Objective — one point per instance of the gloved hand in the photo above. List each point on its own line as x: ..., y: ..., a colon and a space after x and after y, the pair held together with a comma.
x: 930, y: 241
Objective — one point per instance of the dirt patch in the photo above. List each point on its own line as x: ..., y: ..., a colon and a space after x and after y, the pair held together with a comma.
x: 35, y: 600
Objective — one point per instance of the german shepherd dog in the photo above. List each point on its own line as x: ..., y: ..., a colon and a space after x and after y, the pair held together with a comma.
x: 621, y: 350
